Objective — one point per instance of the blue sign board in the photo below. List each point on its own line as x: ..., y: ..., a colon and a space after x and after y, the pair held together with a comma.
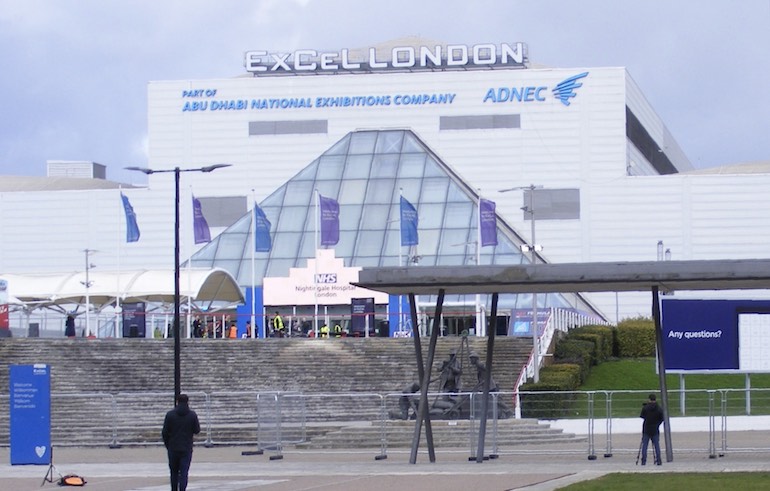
x: 705, y: 334
x: 30, y: 411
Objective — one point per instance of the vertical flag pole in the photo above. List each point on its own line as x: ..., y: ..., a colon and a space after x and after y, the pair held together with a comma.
x: 315, y: 263
x: 400, y: 261
x: 480, y: 327
x: 253, y: 266
x: 191, y: 240
x: 117, y: 289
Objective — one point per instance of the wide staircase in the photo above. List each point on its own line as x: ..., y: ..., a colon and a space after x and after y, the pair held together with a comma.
x: 332, y: 393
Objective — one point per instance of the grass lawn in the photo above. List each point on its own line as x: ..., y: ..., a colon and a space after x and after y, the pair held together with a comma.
x: 745, y: 481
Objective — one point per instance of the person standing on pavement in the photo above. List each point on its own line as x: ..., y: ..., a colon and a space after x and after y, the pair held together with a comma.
x: 278, y: 328
x: 652, y: 414
x: 180, y: 425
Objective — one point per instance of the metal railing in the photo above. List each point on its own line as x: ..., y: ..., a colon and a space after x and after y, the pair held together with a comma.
x: 575, y: 422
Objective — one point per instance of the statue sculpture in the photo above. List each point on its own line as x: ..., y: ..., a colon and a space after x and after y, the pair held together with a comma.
x: 451, y: 402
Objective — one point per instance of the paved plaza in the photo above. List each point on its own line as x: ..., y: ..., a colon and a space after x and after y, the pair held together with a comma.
x: 228, y: 469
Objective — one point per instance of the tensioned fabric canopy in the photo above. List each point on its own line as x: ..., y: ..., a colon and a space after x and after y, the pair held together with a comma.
x: 199, y: 285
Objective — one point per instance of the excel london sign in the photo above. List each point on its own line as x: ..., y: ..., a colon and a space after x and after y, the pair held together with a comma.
x: 449, y: 57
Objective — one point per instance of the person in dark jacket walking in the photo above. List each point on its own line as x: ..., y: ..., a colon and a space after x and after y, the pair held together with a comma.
x: 180, y: 425
x: 652, y: 415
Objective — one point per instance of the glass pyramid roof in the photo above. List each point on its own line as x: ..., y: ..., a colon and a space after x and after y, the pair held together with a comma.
x: 367, y: 172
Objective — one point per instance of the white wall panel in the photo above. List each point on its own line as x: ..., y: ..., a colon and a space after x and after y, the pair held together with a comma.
x: 583, y: 146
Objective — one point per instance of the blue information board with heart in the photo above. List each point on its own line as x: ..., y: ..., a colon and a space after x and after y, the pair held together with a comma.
x: 30, y: 411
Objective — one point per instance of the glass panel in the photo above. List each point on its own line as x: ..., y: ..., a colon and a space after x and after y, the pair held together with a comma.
x: 208, y: 252
x: 374, y: 216
x: 341, y: 147
x: 430, y: 216
x: 455, y: 241
x: 458, y: 215
x: 358, y: 166
x: 272, y: 214
x: 292, y: 219
x: 229, y: 266
x: 388, y: 261
x: 411, y: 144
x: 353, y: 191
x: 327, y: 189
x: 380, y: 191
x: 242, y: 225
x: 434, y: 190
x: 456, y: 194
x: 362, y: 142
x: 449, y: 260
x: 307, y: 249
x: 486, y: 255
x: 344, y: 249
x: 367, y: 262
x: 308, y: 173
x: 389, y: 142
x: 330, y: 167
x: 286, y: 245
x: 385, y: 166
x: 244, y: 275
x: 427, y: 260
x: 370, y: 243
x: 279, y: 267
x: 298, y: 193
x: 231, y: 247
x: 410, y: 189
x: 507, y: 259
x: 201, y: 263
x: 350, y: 217
x: 275, y: 199
x: 428, y: 242
x: 393, y: 243
x: 433, y: 168
x: 412, y: 165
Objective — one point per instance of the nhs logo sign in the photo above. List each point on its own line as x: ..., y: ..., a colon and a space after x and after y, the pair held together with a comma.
x: 326, y: 278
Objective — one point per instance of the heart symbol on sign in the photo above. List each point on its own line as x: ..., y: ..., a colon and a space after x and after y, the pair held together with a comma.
x: 40, y: 451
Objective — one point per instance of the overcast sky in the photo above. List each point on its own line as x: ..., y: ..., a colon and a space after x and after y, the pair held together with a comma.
x: 74, y: 73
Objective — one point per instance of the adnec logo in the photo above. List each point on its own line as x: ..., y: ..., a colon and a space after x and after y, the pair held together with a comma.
x: 563, y: 92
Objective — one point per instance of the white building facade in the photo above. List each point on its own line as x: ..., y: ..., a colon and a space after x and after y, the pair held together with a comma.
x: 610, y: 180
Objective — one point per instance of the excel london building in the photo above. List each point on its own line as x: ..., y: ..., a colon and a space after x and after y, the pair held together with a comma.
x: 574, y: 161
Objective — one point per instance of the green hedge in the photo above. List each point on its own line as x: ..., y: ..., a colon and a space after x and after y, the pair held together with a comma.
x: 608, y: 339
x: 565, y: 375
x: 636, y: 338
x: 575, y: 349
x: 544, y: 400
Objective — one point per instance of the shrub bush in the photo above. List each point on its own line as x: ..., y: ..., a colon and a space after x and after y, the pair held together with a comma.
x: 607, y: 334
x: 597, y: 349
x: 565, y: 375
x: 575, y: 349
x: 544, y: 400
x: 636, y: 338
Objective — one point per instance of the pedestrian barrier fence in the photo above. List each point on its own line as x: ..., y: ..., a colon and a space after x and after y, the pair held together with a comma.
x: 581, y: 422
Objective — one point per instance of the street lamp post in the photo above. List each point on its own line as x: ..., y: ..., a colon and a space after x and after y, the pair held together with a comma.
x: 532, y: 248
x: 177, y: 348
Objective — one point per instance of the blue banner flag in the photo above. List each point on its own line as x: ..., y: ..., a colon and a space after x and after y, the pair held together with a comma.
x: 487, y: 222
x: 200, y: 225
x: 262, y: 242
x: 132, y: 229
x: 330, y: 221
x: 408, y: 224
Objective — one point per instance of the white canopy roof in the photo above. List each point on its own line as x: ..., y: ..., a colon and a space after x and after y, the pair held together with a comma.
x: 199, y: 285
